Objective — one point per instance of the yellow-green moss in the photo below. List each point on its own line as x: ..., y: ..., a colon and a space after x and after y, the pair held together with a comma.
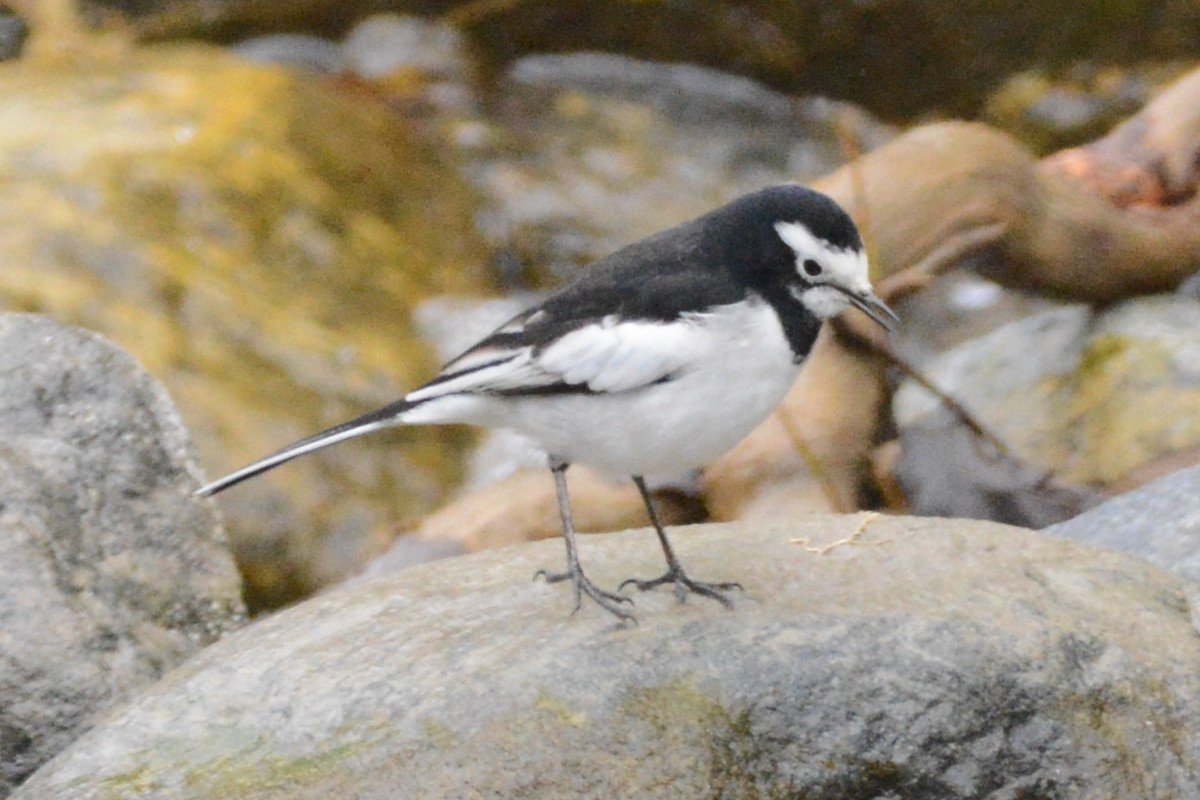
x: 1111, y: 433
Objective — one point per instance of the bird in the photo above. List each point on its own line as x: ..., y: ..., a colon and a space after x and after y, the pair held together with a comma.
x: 653, y: 360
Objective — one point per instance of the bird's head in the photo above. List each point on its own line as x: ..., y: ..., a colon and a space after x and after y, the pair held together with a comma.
x: 826, y: 267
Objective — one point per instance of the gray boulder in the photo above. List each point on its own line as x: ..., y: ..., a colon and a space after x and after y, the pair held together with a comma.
x: 1082, y: 399
x: 927, y: 658
x: 112, y: 572
x: 1159, y: 522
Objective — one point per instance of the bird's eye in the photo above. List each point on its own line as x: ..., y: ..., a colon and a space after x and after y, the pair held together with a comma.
x: 811, y: 268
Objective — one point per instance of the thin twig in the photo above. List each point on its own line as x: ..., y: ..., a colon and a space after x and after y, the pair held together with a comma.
x: 882, y: 348
x: 865, y: 519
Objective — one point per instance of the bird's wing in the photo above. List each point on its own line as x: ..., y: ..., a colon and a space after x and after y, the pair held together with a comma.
x: 628, y: 320
x: 615, y: 355
x: 536, y: 353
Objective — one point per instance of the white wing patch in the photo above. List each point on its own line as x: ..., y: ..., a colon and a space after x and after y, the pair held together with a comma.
x: 614, y: 356
x: 490, y: 370
x: 608, y: 356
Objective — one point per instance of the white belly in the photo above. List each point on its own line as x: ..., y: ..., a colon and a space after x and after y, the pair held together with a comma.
x: 744, y: 370
x: 672, y: 428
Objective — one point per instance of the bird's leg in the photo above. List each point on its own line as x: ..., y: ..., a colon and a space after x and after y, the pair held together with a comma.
x: 675, y: 574
x: 609, y: 601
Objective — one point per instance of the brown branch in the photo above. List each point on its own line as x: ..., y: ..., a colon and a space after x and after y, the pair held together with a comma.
x: 812, y: 460
x: 961, y: 192
x: 1151, y: 159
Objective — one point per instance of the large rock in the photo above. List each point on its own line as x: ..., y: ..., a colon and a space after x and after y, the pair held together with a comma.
x: 1159, y: 522
x: 1084, y: 397
x: 113, y: 573
x: 931, y: 658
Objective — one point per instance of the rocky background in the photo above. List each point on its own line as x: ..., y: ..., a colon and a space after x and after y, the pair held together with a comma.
x: 274, y: 216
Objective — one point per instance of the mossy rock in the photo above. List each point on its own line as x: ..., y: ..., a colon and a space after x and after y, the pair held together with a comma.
x: 257, y: 239
x: 1091, y: 396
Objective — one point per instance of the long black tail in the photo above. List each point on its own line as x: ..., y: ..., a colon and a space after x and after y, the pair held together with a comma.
x: 372, y: 421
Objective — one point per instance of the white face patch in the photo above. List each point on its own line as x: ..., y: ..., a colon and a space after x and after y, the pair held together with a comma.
x: 821, y: 300
x: 846, y: 269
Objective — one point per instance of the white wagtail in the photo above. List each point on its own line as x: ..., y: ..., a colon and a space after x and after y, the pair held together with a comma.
x: 654, y: 360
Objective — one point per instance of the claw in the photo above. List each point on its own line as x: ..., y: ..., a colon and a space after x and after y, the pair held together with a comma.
x: 685, y: 585
x: 583, y: 585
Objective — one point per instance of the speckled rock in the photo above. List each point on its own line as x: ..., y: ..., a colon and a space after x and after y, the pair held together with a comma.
x: 1088, y: 397
x: 113, y: 573
x: 933, y: 658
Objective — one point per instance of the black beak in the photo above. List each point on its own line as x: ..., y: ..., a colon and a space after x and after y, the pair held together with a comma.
x: 876, y: 309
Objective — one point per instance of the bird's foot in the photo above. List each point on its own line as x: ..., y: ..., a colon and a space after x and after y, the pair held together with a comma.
x: 685, y: 585
x: 609, y: 601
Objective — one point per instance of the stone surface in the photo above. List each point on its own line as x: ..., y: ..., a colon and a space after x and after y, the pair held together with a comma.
x: 113, y: 573
x: 256, y: 237
x: 294, y: 50
x: 386, y: 45
x: 1159, y: 522
x: 956, y: 307
x: 931, y: 658
x: 594, y: 151
x: 13, y: 32
x: 1086, y: 398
